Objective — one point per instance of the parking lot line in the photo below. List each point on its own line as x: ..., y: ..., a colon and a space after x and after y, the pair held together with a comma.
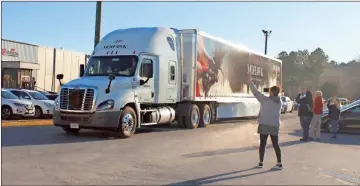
x: 18, y: 123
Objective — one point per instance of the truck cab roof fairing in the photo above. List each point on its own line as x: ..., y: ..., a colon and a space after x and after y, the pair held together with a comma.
x: 131, y: 41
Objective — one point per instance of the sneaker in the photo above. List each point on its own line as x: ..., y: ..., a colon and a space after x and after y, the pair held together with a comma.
x: 260, y: 165
x: 278, y: 166
x: 302, y: 139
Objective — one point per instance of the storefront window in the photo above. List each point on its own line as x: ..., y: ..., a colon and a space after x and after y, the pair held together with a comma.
x: 10, y: 78
x: 14, y: 78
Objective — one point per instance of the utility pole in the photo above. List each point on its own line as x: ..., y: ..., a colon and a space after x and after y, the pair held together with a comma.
x: 267, y: 34
x: 97, y: 23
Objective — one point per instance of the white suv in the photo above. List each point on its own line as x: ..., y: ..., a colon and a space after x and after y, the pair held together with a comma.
x: 43, y: 106
x: 12, y: 106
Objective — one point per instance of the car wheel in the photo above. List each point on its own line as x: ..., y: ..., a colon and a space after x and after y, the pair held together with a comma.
x: 205, y: 116
x: 38, y: 112
x: 6, y: 112
x: 127, y: 123
x: 70, y: 130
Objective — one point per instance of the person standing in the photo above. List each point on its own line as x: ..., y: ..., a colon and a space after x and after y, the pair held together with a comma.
x: 269, y: 121
x: 334, y: 114
x: 316, y: 121
x: 305, y: 112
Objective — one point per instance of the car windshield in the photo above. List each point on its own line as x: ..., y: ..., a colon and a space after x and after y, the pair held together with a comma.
x: 350, y: 105
x: 8, y: 95
x: 105, y: 65
x: 38, y: 96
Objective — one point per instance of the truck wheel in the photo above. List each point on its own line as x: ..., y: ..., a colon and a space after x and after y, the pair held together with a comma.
x: 127, y: 123
x: 6, y: 112
x: 70, y: 130
x: 205, y: 116
x: 193, y: 116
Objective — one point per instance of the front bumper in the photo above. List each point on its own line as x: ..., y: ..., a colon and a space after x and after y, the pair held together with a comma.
x: 108, y: 120
x: 22, y: 111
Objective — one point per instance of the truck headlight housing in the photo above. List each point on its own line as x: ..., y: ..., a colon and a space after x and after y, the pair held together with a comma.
x: 106, y: 105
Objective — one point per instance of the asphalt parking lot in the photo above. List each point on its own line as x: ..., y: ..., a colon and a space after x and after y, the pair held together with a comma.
x: 224, y: 153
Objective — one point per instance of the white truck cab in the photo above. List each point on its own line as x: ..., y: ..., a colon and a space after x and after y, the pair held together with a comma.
x: 146, y: 76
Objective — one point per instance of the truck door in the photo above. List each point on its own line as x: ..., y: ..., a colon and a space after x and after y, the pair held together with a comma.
x: 146, y: 91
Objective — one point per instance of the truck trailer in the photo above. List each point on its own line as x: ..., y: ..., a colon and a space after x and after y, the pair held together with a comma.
x: 146, y: 76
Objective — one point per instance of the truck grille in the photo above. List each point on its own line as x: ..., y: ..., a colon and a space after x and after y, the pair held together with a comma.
x: 76, y: 99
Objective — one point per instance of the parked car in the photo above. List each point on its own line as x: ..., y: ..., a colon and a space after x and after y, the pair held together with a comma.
x: 12, y: 106
x: 287, y: 104
x: 349, y: 117
x: 43, y: 106
x: 50, y: 95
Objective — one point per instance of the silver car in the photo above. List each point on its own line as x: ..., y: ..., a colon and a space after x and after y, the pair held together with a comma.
x: 12, y: 106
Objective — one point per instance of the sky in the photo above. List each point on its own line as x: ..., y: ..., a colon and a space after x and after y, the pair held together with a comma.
x: 332, y: 26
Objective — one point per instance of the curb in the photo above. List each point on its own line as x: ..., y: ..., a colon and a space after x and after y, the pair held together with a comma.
x: 20, y: 123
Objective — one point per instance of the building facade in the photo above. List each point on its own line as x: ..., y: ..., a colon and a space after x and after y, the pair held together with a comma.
x: 21, y: 62
x: 18, y: 63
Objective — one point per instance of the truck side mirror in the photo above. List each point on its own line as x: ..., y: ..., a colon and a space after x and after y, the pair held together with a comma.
x: 60, y: 76
x: 82, y: 70
x: 112, y: 77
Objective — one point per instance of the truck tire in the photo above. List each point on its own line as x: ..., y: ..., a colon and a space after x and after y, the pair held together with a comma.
x: 205, y: 116
x: 192, y: 118
x: 70, y: 130
x: 127, y: 122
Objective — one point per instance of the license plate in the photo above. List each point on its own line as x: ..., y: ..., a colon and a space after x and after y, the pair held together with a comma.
x: 74, y: 125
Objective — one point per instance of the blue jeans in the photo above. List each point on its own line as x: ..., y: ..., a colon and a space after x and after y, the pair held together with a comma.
x: 305, y: 124
x: 334, y: 126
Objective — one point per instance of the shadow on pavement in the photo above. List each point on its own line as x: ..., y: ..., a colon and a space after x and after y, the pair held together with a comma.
x: 236, y: 150
x: 342, y: 138
x: 216, y: 178
x: 46, y: 135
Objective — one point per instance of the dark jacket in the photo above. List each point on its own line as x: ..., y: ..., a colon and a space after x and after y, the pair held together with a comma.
x: 306, y: 104
x: 334, y: 112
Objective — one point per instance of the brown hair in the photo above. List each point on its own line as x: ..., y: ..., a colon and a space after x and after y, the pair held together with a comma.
x: 275, y: 90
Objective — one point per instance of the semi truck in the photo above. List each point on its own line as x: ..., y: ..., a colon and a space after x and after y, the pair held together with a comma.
x: 146, y: 76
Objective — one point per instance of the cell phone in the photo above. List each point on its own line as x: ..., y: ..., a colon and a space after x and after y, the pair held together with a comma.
x: 266, y: 89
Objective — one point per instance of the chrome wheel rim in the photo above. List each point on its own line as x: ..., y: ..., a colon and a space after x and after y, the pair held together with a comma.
x: 206, y: 116
x: 194, y: 117
x: 127, y: 123
x: 5, y: 113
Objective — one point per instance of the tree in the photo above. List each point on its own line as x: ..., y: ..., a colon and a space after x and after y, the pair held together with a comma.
x: 317, y: 61
x: 330, y: 89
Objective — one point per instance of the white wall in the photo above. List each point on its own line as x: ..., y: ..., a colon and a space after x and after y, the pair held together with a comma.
x: 66, y: 62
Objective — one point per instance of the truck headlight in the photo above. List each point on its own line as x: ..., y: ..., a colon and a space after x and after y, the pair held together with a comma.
x: 106, y: 105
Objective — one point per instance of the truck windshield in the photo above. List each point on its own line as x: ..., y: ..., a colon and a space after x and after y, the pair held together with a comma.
x: 105, y: 65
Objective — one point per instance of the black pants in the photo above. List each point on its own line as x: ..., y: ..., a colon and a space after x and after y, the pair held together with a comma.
x: 275, y: 143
